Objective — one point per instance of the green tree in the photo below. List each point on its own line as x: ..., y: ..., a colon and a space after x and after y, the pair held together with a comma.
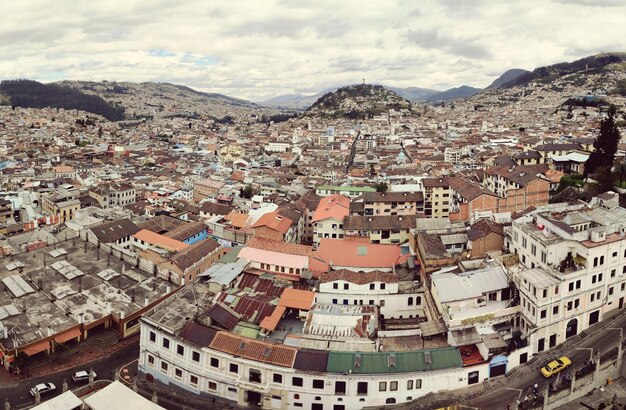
x: 381, y: 187
x: 605, y: 146
x: 247, y: 192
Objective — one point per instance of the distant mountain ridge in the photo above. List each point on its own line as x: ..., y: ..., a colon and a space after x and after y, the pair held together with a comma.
x: 506, y: 77
x: 547, y: 73
x: 33, y: 94
x: 163, y: 100
x: 463, y: 91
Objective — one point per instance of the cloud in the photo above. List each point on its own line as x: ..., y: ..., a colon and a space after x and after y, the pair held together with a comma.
x: 257, y: 50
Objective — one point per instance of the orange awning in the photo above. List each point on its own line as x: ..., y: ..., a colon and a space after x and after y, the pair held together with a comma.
x: 270, y: 322
x: 67, y: 335
x: 35, y: 348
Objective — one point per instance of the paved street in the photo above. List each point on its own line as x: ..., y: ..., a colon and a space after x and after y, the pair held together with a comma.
x: 517, y: 386
x: 19, y: 395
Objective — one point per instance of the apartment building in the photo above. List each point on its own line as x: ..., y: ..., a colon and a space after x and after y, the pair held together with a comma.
x: 392, y: 203
x: 572, y: 270
x: 114, y: 195
x: 517, y: 187
x: 328, y: 218
x: 437, y: 197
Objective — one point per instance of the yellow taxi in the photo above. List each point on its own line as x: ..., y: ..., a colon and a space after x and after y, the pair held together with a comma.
x: 555, y: 366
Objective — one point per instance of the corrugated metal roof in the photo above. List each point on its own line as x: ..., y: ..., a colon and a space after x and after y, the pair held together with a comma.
x: 393, y: 362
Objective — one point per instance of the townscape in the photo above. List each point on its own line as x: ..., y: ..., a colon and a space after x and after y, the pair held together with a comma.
x: 369, y: 251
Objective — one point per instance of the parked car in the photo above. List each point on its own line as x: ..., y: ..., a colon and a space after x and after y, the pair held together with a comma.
x: 43, y: 388
x: 555, y: 366
x: 82, y: 376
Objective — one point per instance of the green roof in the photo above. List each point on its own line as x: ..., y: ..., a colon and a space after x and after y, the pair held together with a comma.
x: 346, y: 188
x: 232, y: 256
x: 373, y: 363
x: 247, y: 330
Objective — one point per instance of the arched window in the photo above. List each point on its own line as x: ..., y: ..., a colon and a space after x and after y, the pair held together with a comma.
x: 290, y: 270
x: 297, y: 271
x: 411, y: 301
x: 418, y: 300
x: 390, y: 400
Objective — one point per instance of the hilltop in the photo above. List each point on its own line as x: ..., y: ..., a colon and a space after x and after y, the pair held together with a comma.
x: 32, y: 94
x: 163, y: 100
x: 507, y: 77
x: 359, y: 101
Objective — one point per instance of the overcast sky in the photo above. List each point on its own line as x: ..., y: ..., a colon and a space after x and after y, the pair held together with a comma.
x: 258, y: 49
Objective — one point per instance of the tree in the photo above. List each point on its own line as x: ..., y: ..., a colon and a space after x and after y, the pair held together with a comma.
x: 621, y: 172
x: 605, y: 146
x: 247, y: 192
x: 381, y: 187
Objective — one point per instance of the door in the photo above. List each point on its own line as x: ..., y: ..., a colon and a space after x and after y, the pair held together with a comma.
x: 571, y: 329
x: 552, y: 341
x: 621, y: 303
x: 594, y: 317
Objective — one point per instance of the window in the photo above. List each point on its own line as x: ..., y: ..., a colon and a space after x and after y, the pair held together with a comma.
x: 298, y: 405
x: 409, y: 384
x: 571, y: 286
x: 611, y: 289
x: 334, y: 301
x: 623, y: 286
x: 600, y: 278
x: 178, y: 373
x: 212, y: 386
x: 340, y: 387
x: 166, y: 343
x: 317, y: 406
x: 410, y: 302
x: 545, y: 293
x: 418, y: 384
x: 277, y: 378
x: 215, y: 362
x: 533, y: 249
x: 578, y: 282
x: 296, y: 381
x: 524, y: 242
x: 543, y: 257
x: 346, y: 286
x: 390, y: 400
x: 382, y: 386
x: 593, y: 279
x: 361, y: 388
x: 164, y: 367
x: 193, y: 380
x: 542, y: 314
x: 576, y: 303
x: 393, y: 386
x: 318, y: 384
x: 371, y: 302
x: 345, y: 301
x: 373, y: 286
x: 612, y: 273
x: 195, y: 356
x: 151, y: 360
x: 335, y: 286
x: 602, y: 260
x: 152, y: 336
x: 254, y: 376
x: 382, y: 286
x: 555, y: 310
x: 180, y: 350
x: 595, y: 261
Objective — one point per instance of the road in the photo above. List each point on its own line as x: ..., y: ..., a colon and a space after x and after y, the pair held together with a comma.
x: 516, y: 387
x: 19, y: 396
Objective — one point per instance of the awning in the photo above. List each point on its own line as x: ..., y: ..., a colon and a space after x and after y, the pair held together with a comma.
x: 67, y: 335
x: 466, y: 337
x: 432, y: 328
x: 35, y: 348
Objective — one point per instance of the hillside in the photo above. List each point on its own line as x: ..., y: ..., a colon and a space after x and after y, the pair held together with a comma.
x: 295, y: 101
x: 359, y: 101
x: 463, y: 91
x: 32, y: 94
x: 163, y: 100
x: 591, y: 64
x: 507, y: 77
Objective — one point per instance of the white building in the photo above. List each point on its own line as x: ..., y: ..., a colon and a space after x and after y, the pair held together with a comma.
x: 572, y: 270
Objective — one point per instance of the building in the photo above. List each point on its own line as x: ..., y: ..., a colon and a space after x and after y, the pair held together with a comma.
x: 392, y: 203
x: 328, y: 218
x: 205, y: 189
x: 517, y: 187
x: 572, y: 270
x: 114, y: 195
x: 349, y: 191
x: 62, y: 204
x: 437, y: 197
x: 385, y: 229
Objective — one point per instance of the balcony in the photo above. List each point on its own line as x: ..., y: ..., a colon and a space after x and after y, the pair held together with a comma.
x: 571, y: 264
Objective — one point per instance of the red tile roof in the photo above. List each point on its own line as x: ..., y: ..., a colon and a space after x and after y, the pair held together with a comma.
x: 277, y: 354
x: 358, y: 254
x: 334, y: 206
x: 274, y: 221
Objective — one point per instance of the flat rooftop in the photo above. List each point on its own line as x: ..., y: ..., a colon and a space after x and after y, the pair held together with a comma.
x: 59, y: 286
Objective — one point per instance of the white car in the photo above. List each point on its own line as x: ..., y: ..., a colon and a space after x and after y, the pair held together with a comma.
x: 82, y: 376
x: 43, y: 388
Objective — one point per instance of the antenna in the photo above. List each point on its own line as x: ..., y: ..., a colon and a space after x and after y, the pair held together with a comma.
x: 364, y: 81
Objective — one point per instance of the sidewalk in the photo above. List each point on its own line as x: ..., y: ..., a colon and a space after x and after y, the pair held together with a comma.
x: 599, y: 397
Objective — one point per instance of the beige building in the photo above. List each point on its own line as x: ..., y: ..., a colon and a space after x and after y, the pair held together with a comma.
x: 437, y: 195
x: 207, y: 188
x: 393, y: 203
x: 61, y: 204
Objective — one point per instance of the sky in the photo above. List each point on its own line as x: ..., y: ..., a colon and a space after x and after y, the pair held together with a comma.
x: 258, y: 49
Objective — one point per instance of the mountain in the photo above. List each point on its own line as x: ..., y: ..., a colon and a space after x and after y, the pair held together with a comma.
x: 589, y: 65
x: 507, y: 77
x: 359, y: 101
x: 414, y: 93
x: 295, y: 101
x: 463, y: 91
x: 32, y: 94
x: 165, y: 100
